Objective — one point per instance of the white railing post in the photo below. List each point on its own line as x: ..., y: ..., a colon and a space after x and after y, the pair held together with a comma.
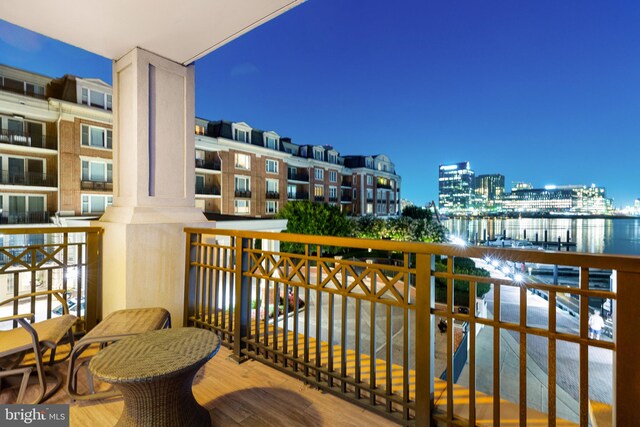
x: 626, y: 370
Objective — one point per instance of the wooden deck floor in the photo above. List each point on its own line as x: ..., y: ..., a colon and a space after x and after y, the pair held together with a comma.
x: 250, y: 394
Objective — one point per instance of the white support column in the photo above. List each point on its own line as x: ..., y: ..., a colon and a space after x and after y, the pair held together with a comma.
x: 154, y: 184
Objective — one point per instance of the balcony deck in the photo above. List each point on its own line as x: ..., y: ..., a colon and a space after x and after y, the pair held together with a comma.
x: 248, y: 394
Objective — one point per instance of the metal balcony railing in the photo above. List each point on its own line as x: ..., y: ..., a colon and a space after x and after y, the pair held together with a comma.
x: 34, y: 217
x: 381, y: 185
x: 318, y: 198
x: 28, y: 140
x: 43, y: 259
x: 28, y: 178
x: 365, y: 328
x: 245, y: 194
x: 213, y: 165
x: 333, y: 199
x: 298, y: 196
x: 207, y: 190
x: 304, y: 177
x: 272, y: 195
x: 96, y: 185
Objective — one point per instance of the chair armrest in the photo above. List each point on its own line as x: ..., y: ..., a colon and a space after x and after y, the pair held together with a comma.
x: 58, y: 293
x: 17, y: 317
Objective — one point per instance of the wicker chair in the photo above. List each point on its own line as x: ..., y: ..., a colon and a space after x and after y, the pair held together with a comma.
x: 34, y: 339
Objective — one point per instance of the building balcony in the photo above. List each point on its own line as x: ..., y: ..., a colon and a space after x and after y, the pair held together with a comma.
x: 346, y: 182
x: 213, y: 165
x: 96, y: 185
x: 346, y: 198
x: 422, y: 335
x: 383, y: 186
x: 18, y: 88
x: 369, y: 199
x: 37, y: 217
x: 31, y: 179
x: 22, y: 139
x: 333, y: 199
x: 207, y: 190
x: 245, y: 194
x: 302, y: 177
x: 272, y: 195
x: 318, y: 198
x: 298, y: 196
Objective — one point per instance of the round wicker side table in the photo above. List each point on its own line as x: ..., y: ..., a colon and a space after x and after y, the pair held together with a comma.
x: 154, y: 372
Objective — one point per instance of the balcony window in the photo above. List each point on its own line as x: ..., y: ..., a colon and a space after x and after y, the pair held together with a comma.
x: 97, y: 171
x: 271, y: 206
x: 319, y: 174
x: 369, y: 180
x: 272, y: 186
x: 93, y: 136
x: 272, y: 166
x: 318, y: 190
x: 243, y: 161
x: 333, y: 176
x: 33, y: 89
x: 241, y: 207
x: 333, y: 192
x: 243, y: 183
x: 92, y: 204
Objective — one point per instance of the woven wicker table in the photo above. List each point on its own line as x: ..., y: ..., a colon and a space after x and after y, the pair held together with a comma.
x: 154, y: 372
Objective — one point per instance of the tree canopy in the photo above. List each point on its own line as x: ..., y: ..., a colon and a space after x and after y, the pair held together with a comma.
x: 319, y: 219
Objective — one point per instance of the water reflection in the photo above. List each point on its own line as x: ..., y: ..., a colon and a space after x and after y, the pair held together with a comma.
x: 593, y: 235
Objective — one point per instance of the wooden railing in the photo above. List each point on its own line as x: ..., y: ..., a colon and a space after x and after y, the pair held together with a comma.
x: 47, y: 258
x: 364, y: 328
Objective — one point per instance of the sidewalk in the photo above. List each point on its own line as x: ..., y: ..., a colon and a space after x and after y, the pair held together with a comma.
x: 566, y: 407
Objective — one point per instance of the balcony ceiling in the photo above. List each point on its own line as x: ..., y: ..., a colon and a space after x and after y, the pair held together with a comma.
x: 181, y: 31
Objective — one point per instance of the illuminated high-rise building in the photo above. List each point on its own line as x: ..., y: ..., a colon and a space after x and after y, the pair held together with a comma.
x: 489, y: 190
x: 455, y: 185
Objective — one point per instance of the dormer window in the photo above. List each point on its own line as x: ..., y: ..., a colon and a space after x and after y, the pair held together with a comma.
x: 96, y: 98
x: 333, y: 158
x: 317, y: 154
x: 200, y: 130
x: 241, y: 135
x: 369, y: 163
x: 270, y: 142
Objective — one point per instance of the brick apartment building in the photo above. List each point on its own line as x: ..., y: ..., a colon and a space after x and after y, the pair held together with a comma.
x: 56, y: 159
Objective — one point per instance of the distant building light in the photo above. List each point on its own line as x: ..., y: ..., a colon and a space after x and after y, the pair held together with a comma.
x: 449, y: 167
x: 550, y: 187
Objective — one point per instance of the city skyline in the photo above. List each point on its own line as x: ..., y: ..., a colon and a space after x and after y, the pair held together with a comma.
x: 536, y: 90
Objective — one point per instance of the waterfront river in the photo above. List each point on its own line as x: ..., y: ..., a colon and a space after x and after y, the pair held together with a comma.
x: 593, y: 235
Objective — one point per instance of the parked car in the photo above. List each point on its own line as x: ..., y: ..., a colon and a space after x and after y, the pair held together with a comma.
x: 72, y: 303
x: 500, y: 242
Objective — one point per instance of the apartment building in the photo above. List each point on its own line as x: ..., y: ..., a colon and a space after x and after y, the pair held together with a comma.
x: 56, y: 160
x: 55, y: 146
x: 260, y: 171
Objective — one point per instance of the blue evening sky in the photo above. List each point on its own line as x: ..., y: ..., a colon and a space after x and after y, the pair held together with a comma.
x: 542, y: 91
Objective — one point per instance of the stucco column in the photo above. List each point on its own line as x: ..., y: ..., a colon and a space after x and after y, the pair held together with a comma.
x: 154, y: 184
